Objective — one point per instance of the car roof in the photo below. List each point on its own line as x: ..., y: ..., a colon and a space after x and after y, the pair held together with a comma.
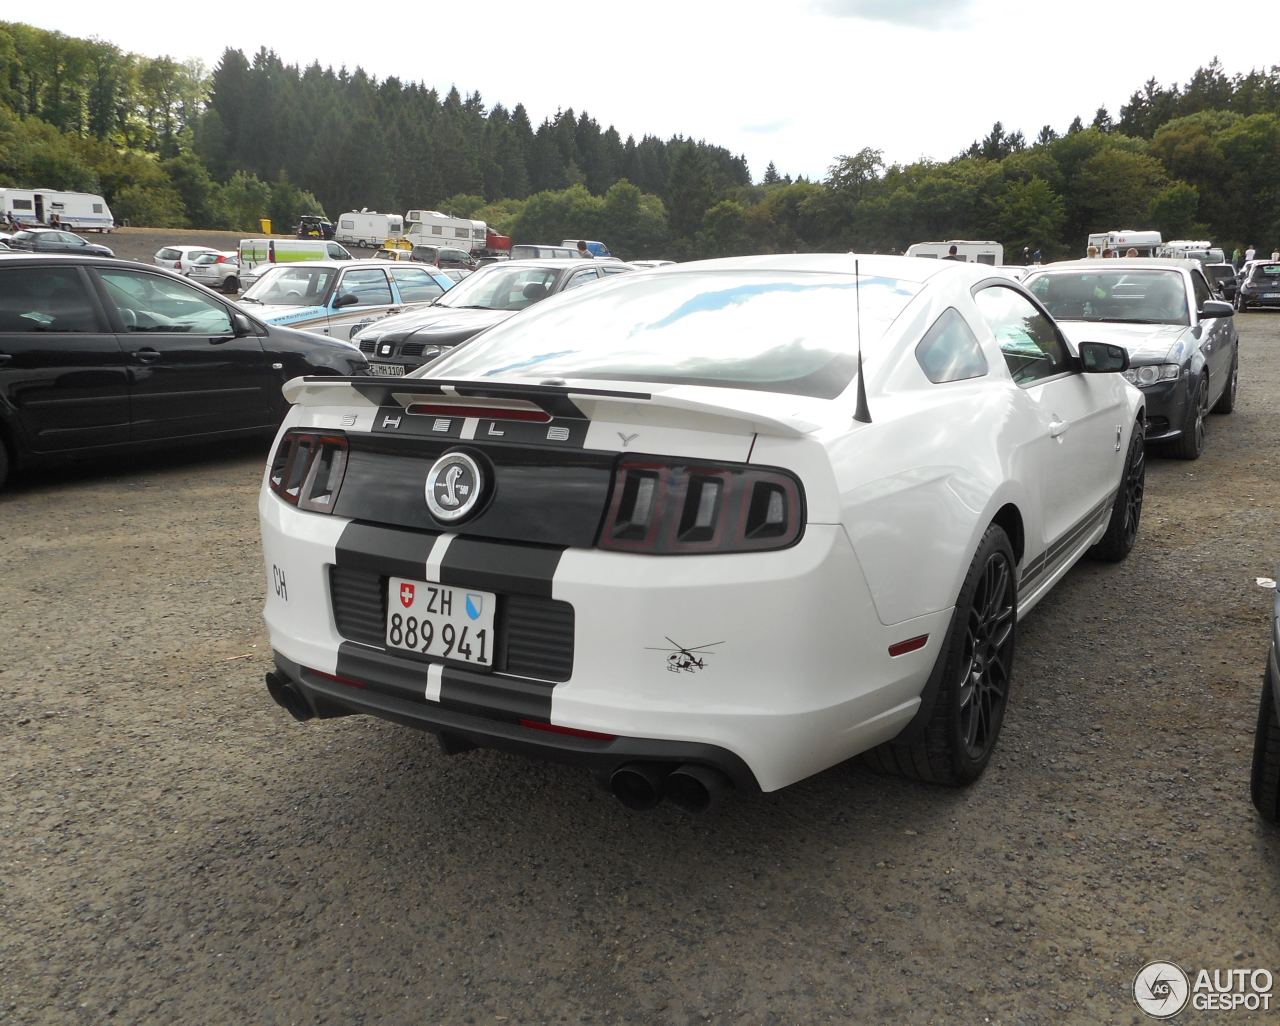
x: 1136, y: 263
x: 329, y: 263
x: 903, y: 268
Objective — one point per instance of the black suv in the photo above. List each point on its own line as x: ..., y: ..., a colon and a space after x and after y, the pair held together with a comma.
x: 310, y: 226
x: 101, y: 355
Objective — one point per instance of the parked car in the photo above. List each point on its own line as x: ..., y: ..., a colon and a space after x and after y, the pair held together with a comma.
x: 258, y: 255
x: 1265, y: 780
x: 536, y: 251
x: 389, y: 253
x: 339, y: 297
x: 1223, y: 279
x: 456, y: 273
x: 219, y: 271
x: 400, y: 344
x: 639, y: 527
x: 1259, y: 285
x: 1182, y: 342
x: 310, y: 226
x: 101, y: 356
x: 443, y: 257
x: 53, y: 240
x: 179, y: 258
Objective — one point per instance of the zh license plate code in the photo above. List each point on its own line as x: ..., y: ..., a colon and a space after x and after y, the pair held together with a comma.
x: 441, y: 621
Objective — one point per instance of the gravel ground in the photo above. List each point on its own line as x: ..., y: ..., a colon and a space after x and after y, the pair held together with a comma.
x: 177, y: 850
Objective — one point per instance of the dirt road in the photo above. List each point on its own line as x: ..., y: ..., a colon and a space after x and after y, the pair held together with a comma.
x: 177, y: 850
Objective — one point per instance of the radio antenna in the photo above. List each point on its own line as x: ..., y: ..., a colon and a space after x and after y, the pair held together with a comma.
x: 860, y: 413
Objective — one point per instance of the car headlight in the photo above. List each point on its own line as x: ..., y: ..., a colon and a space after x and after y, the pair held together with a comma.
x: 1152, y: 374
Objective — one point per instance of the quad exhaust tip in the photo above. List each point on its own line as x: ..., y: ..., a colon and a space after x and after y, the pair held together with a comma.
x: 693, y: 788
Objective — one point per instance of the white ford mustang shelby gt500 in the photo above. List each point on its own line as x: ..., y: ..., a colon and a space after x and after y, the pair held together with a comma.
x: 656, y: 528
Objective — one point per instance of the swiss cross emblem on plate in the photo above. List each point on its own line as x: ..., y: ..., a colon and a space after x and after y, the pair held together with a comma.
x: 406, y: 595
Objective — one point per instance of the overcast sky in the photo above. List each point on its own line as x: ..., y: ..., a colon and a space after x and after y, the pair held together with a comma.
x: 798, y: 82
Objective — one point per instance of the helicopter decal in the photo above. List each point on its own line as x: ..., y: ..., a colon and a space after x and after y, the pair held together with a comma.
x: 685, y: 660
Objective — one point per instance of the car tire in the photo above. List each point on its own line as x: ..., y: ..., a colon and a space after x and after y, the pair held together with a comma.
x: 4, y: 462
x: 1227, y: 401
x: 231, y: 285
x: 1264, y: 782
x: 1126, y: 511
x: 955, y: 744
x: 1190, y: 444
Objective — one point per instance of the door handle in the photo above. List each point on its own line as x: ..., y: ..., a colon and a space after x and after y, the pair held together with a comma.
x: 6, y: 357
x: 1058, y: 428
x: 146, y: 355
x: 220, y: 340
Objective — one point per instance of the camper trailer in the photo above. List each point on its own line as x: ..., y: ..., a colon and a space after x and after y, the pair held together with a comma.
x: 1124, y: 240
x: 966, y: 249
x: 368, y: 228
x: 78, y: 211
x: 432, y: 228
x: 1192, y: 249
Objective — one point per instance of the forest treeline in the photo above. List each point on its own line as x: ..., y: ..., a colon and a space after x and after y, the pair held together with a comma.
x: 172, y: 144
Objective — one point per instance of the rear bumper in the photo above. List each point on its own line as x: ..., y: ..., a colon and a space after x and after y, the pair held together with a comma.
x: 1256, y: 300
x: 328, y: 699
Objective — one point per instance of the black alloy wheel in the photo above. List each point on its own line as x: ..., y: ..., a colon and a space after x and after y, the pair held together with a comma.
x: 987, y: 659
x: 1126, y: 511
x: 1191, y: 444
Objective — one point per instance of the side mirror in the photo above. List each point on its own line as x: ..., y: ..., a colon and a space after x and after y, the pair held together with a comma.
x: 240, y: 325
x: 346, y: 299
x: 1103, y: 358
x: 1216, y: 308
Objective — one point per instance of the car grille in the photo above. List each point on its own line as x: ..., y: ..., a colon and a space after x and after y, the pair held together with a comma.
x: 412, y: 349
x: 367, y: 345
x: 535, y: 634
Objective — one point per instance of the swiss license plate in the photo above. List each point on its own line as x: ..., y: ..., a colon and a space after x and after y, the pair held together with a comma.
x: 387, y: 370
x: 437, y: 620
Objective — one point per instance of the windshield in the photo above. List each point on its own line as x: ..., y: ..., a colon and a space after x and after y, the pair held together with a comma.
x: 502, y: 288
x: 1265, y: 272
x: 1120, y: 295
x: 291, y: 286
x: 776, y: 331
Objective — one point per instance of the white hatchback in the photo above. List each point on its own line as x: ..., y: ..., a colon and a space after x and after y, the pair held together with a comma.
x: 179, y: 258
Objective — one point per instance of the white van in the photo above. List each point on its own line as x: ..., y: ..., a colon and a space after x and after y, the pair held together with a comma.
x: 256, y: 255
x: 1126, y: 239
x: 1192, y: 249
x: 966, y: 249
x: 368, y: 228
x: 78, y: 211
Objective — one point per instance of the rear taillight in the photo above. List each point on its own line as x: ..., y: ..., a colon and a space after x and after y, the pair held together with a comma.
x: 307, y: 469
x: 221, y: 260
x: 686, y: 508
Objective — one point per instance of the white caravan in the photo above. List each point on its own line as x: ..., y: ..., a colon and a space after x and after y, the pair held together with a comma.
x: 967, y: 250
x: 368, y: 228
x: 76, y: 210
x: 1126, y: 239
x: 432, y: 228
x: 1192, y: 249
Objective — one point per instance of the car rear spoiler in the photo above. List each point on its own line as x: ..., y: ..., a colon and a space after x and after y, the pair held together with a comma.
x: 556, y: 400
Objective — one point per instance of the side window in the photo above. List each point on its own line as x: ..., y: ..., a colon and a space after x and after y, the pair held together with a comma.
x: 1033, y: 350
x: 335, y: 252
x: 949, y: 351
x: 1201, y: 289
x: 52, y: 299
x: 581, y: 278
x: 157, y: 303
x: 415, y: 285
x: 369, y: 286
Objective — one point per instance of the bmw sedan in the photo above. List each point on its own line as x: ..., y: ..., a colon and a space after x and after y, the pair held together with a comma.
x: 100, y: 356
x: 1182, y: 343
x: 338, y: 298
x: 401, y: 344
x: 725, y: 525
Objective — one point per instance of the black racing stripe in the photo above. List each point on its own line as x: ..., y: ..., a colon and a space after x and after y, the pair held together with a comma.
x: 503, y: 698
x: 386, y: 550
x: 1064, y: 545
x: 500, y: 566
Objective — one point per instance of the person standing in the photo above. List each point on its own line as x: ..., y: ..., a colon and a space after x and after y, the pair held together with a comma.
x: 953, y: 254
x: 1092, y: 253
x: 583, y: 251
x: 1235, y: 258
x: 1250, y: 253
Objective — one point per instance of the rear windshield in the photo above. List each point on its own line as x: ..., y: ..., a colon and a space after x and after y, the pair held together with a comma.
x: 1270, y: 271
x: 775, y: 331
x: 1126, y: 296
